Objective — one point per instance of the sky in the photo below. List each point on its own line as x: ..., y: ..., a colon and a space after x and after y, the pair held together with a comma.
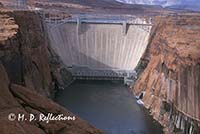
x: 187, y: 4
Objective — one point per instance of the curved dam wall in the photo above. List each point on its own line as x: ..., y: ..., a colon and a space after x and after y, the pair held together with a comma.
x: 99, y: 46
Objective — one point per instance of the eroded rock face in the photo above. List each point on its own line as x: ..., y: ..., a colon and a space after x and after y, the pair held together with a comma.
x: 24, y: 54
x: 171, y: 79
x: 8, y: 28
x: 27, y: 78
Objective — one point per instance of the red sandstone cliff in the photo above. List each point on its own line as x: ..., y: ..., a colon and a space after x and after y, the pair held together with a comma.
x: 26, y: 78
x: 172, y: 78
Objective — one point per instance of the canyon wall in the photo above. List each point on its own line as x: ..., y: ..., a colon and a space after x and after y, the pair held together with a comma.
x: 102, y: 46
x: 171, y: 79
x: 27, y: 78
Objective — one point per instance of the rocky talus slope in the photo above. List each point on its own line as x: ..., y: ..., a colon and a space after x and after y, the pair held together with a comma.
x: 171, y: 81
x: 27, y: 78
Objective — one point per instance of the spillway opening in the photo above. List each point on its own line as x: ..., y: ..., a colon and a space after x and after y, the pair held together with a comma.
x: 107, y: 50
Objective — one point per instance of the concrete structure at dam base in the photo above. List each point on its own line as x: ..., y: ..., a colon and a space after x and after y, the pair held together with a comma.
x: 84, y: 72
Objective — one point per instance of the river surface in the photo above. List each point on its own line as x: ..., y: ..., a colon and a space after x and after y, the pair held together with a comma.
x: 109, y: 106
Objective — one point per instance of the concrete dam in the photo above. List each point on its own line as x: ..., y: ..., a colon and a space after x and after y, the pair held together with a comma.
x: 100, y: 47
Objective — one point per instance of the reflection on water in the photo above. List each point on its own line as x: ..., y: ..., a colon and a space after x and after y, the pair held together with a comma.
x: 109, y: 106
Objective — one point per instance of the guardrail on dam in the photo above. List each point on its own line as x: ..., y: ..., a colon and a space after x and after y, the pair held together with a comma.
x: 100, y: 44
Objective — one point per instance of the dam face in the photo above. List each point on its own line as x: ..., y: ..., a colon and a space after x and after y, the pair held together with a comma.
x: 102, y: 45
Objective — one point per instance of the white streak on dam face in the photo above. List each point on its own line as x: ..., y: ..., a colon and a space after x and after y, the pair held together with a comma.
x: 101, y: 46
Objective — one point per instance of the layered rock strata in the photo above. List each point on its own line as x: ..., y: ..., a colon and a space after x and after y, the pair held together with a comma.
x: 27, y: 78
x: 171, y: 79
